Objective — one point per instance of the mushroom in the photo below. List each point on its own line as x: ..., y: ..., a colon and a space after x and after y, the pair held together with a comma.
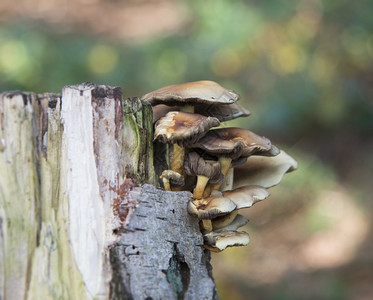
x: 223, y: 112
x: 181, y: 128
x: 190, y: 93
x: 205, y: 170
x: 218, y: 241
x: 264, y: 171
x: 243, y: 197
x: 209, y: 208
x: 234, y: 144
x: 238, y: 221
x: 171, y: 177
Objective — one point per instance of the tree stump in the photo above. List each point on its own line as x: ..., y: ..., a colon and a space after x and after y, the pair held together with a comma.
x: 80, y: 213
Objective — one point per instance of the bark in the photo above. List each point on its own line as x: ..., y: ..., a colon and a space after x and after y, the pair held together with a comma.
x: 81, y: 216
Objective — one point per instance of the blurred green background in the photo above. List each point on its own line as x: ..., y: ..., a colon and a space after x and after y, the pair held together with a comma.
x: 305, y: 71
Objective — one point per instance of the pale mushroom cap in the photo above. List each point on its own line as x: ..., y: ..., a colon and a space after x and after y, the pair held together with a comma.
x: 264, y: 171
x: 211, y: 207
x: 183, y: 128
x: 191, y: 92
x: 246, y: 196
x: 234, y: 142
x: 174, y: 177
x: 221, y: 240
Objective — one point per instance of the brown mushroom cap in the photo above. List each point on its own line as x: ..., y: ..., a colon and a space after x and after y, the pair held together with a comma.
x: 264, y: 171
x: 246, y: 196
x: 211, y: 207
x: 195, y: 165
x: 218, y: 241
x: 183, y: 128
x: 234, y: 143
x: 223, y: 112
x: 190, y: 93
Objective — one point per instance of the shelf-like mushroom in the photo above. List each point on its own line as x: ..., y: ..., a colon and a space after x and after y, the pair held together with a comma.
x: 238, y: 221
x: 180, y: 129
x: 264, y: 171
x: 205, y: 170
x: 187, y: 94
x: 230, y: 144
x: 243, y: 197
x: 218, y: 241
x: 223, y: 112
x: 212, y: 207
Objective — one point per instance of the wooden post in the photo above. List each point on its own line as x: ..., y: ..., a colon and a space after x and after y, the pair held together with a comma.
x: 80, y: 214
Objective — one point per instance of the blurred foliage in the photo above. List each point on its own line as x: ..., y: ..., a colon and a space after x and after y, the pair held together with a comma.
x: 304, y: 69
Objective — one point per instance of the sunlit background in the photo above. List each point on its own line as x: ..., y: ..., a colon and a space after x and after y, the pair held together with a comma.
x: 305, y: 71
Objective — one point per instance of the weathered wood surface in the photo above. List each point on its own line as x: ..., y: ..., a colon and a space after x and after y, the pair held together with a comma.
x: 73, y: 224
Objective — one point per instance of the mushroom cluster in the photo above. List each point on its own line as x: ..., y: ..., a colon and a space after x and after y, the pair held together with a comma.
x: 227, y: 169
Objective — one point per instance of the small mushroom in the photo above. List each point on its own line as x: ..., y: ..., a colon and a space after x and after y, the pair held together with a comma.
x: 170, y: 177
x: 264, y: 171
x: 190, y: 93
x: 218, y: 241
x: 205, y: 170
x: 219, y: 224
x: 243, y: 197
x: 230, y: 144
x: 180, y: 129
x: 209, y: 208
x: 246, y: 196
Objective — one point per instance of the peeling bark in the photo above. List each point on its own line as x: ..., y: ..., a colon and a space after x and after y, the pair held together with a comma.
x: 76, y: 221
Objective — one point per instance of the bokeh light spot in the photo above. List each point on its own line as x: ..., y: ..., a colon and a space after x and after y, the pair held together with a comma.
x: 102, y: 59
x: 225, y: 62
x: 288, y: 58
x: 13, y: 57
x: 172, y: 64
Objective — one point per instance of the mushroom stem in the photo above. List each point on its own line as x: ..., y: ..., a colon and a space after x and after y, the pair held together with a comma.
x: 200, y: 186
x: 206, y: 224
x: 225, y: 163
x: 227, y: 183
x: 177, y: 163
x: 166, y: 184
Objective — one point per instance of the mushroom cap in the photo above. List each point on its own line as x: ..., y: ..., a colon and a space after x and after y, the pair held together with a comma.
x: 223, y: 112
x: 246, y: 196
x: 195, y: 165
x: 235, y: 143
x: 238, y: 222
x: 183, y: 128
x: 214, y: 206
x: 189, y: 93
x: 218, y: 241
x: 174, y: 177
x: 264, y: 171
